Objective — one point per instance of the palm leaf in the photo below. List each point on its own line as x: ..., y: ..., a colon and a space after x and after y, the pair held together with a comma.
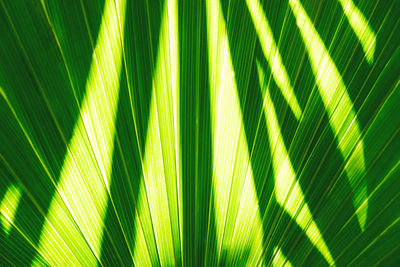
x: 218, y: 132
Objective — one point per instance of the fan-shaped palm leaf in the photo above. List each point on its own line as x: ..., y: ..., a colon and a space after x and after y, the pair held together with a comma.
x: 216, y: 132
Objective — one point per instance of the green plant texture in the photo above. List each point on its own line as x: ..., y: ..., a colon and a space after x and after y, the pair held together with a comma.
x: 199, y: 133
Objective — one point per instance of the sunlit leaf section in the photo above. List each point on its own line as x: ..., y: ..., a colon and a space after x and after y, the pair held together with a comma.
x: 279, y: 259
x: 236, y: 205
x: 339, y: 107
x: 287, y: 189
x: 361, y: 28
x: 271, y: 53
x: 73, y: 230
x: 142, y: 255
x: 160, y: 163
x: 8, y: 206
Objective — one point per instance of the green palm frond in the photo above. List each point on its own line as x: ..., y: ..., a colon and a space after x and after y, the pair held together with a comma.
x: 199, y: 133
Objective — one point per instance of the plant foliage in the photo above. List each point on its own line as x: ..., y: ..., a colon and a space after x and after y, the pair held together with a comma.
x: 199, y: 133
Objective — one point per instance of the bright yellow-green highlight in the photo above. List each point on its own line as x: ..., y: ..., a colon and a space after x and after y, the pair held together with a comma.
x: 142, y: 253
x: 237, y: 213
x: 339, y: 107
x: 287, y: 189
x: 8, y: 206
x: 73, y: 230
x: 279, y: 259
x: 272, y: 55
x: 361, y: 28
x: 161, y: 169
